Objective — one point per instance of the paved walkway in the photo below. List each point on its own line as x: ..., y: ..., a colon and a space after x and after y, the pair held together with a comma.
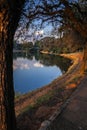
x: 74, y: 116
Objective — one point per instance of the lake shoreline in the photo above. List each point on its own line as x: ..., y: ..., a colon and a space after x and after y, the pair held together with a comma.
x: 64, y: 85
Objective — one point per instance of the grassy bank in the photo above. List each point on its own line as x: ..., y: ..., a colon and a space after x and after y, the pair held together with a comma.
x: 39, y: 105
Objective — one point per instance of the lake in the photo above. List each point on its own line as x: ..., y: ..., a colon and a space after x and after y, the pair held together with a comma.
x: 32, y: 71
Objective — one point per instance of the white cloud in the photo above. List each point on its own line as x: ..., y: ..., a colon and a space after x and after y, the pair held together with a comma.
x: 38, y: 65
x: 20, y: 65
x: 24, y: 66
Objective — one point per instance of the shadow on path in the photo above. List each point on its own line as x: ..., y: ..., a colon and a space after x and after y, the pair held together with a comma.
x: 74, y: 116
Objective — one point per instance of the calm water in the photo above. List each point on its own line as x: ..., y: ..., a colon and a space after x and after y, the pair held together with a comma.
x: 32, y: 71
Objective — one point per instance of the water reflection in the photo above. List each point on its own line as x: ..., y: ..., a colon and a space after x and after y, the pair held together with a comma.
x: 47, y: 60
x: 35, y: 70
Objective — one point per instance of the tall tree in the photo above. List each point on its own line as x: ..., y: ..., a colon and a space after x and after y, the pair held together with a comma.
x: 9, y: 16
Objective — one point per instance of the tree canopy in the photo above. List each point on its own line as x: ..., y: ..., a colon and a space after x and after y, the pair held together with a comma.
x: 68, y: 13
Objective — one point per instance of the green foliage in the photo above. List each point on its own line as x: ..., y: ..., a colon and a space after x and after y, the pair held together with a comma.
x: 30, y: 107
x: 44, y: 98
x: 65, y: 50
x: 37, y: 44
x: 57, y: 50
x: 66, y: 44
x: 26, y: 46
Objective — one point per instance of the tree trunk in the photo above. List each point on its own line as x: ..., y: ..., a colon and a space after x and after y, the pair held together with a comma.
x: 9, y: 17
x: 7, y: 114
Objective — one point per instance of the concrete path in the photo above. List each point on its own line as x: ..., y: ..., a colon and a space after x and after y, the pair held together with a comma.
x: 74, y: 116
